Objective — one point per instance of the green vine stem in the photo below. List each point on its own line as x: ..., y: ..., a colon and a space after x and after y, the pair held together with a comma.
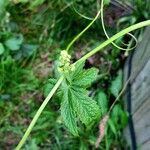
x: 105, y: 32
x: 38, y: 113
x: 113, y: 38
x: 95, y: 50
x: 78, y: 36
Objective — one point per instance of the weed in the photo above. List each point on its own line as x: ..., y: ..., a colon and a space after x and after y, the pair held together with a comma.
x: 74, y: 81
x: 53, y: 24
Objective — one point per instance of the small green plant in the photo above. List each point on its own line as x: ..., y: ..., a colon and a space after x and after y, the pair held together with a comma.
x: 73, y: 81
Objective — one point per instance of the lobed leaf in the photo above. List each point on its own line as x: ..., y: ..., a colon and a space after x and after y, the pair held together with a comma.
x: 85, y: 77
x: 78, y: 70
x: 75, y: 102
x: 85, y: 107
x: 68, y: 114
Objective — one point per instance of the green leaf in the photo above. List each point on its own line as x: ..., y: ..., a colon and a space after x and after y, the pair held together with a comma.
x: 124, y: 118
x: 14, y: 43
x: 86, y: 77
x: 68, y: 114
x: 116, y: 84
x: 49, y: 85
x: 2, y: 49
x: 78, y: 70
x: 102, y: 102
x: 85, y: 107
x: 83, y: 77
x: 116, y: 111
x: 75, y: 103
x: 118, y: 115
